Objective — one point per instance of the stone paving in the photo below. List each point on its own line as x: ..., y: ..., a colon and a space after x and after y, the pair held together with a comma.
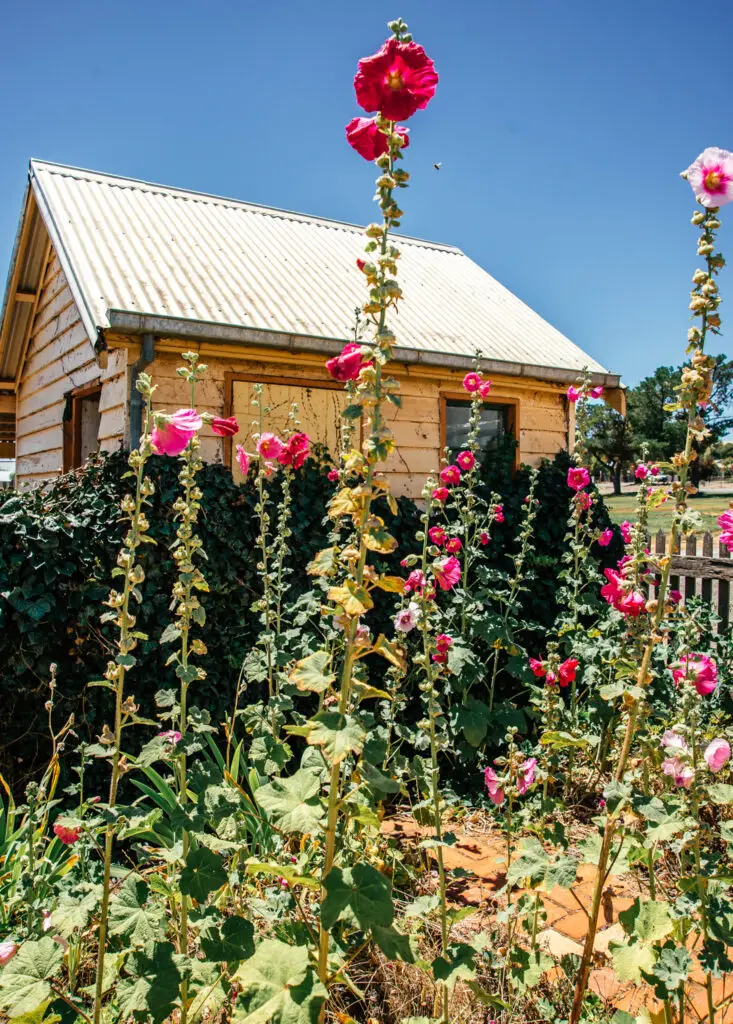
x: 484, y: 856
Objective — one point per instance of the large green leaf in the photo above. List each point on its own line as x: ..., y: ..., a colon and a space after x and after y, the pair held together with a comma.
x: 226, y: 940
x: 360, y: 895
x: 151, y: 986
x: 292, y: 802
x: 630, y: 960
x: 527, y: 967
x: 132, y: 918
x: 24, y: 982
x: 278, y: 986
x: 539, y: 869
x: 204, y: 873
x: 336, y: 734
x: 473, y: 717
x: 670, y: 971
x: 649, y: 921
x: 312, y: 673
x: 457, y: 966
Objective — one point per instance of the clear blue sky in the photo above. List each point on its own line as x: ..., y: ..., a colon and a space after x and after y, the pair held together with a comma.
x: 561, y: 128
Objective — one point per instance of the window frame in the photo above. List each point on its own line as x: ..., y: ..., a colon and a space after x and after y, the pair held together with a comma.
x: 512, y: 417
x: 71, y: 423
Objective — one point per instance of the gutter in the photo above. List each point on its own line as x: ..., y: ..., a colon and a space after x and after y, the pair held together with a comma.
x: 126, y: 322
x: 147, y: 352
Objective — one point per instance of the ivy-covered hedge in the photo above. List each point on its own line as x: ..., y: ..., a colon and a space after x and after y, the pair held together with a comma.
x: 58, y: 547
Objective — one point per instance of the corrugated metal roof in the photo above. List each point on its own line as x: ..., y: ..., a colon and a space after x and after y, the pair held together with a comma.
x: 143, y: 248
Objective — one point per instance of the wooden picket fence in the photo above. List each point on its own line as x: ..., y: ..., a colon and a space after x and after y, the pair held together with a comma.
x: 714, y: 572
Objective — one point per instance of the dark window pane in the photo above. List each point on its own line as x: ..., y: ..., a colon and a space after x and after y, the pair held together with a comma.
x: 493, y: 425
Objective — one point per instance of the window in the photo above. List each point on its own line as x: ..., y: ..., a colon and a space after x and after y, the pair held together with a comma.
x: 81, y: 426
x: 494, y: 424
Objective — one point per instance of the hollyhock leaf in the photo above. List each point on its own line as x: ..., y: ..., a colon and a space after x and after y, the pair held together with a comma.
x: 377, y: 781
x: 714, y: 959
x: 352, y: 412
x: 131, y: 917
x: 286, y: 871
x: 204, y: 873
x: 422, y: 906
x: 278, y: 984
x: 458, y: 966
x: 24, y: 982
x: 379, y: 539
x: 362, y: 691
x: 208, y: 989
x: 360, y: 895
x: 473, y: 719
x: 394, y: 944
x: 648, y: 922
x: 324, y: 563
x: 393, y: 652
x: 309, y: 674
x: 338, y: 735
x: 225, y: 940
x: 72, y: 913
x: 720, y: 918
x: 170, y: 633
x: 670, y: 971
x: 561, y: 740
x: 616, y: 795
x: 268, y: 755
x: 720, y: 793
x: 590, y: 848
x: 629, y: 960
x: 292, y: 802
x: 39, y: 1015
x: 343, y: 504
x: 527, y: 967
x: 531, y: 864
x: 151, y: 988
x: 353, y: 599
x: 484, y: 997
x: 392, y: 584
x: 562, y: 873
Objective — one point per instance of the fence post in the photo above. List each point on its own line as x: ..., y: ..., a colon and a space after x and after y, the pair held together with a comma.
x: 707, y: 551
x: 690, y: 581
x: 723, y: 594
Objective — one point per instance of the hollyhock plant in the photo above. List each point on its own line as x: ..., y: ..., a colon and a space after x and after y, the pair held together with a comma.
x: 296, y: 451
x: 584, y: 500
x: 496, y: 793
x: 537, y: 667
x: 654, y: 470
x: 466, y: 461
x: 700, y: 669
x: 415, y: 581
x: 472, y: 382
x: 333, y: 475
x: 171, y: 736
x: 711, y: 177
x: 453, y: 545
x: 441, y: 494
x: 450, y: 475
x: 681, y: 773
x: 437, y: 535
x: 364, y: 135
x: 171, y: 434
x: 567, y: 671
x: 447, y: 572
x: 397, y: 80
x: 717, y: 755
x: 485, y: 388
x: 526, y: 775
x: 573, y: 393
x: 578, y: 477
x: 269, y: 446
x: 596, y: 392
x: 66, y: 834
x: 725, y: 522
x: 407, y: 618
x: 225, y: 427
x: 675, y: 596
x: 443, y: 643
x: 499, y: 514
x: 484, y: 538
x: 606, y: 537
x: 348, y: 364
x: 626, y: 531
x: 242, y: 459
x: 641, y: 472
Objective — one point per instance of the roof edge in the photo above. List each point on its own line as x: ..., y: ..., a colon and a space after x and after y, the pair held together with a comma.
x: 128, y: 322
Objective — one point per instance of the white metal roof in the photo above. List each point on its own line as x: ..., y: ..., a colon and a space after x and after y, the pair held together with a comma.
x: 136, y: 247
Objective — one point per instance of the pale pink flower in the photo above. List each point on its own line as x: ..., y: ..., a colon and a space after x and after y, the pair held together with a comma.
x: 717, y: 754
x: 496, y: 793
x: 641, y: 472
x: 450, y: 475
x: 485, y: 389
x: 242, y: 459
x: 578, y: 477
x: 269, y: 446
x: 8, y: 949
x: 674, y: 740
x: 605, y: 538
x: 626, y: 531
x: 725, y: 522
x: 679, y: 772
x: 526, y: 775
x: 407, y: 618
x: 699, y: 669
x: 711, y: 177
x: 447, y: 572
x: 171, y: 434
x: 171, y: 736
x: 472, y: 382
x: 466, y: 460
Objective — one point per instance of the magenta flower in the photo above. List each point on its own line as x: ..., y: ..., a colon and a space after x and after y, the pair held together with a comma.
x: 171, y: 736
x: 679, y: 772
x: 225, y: 427
x: 578, y: 477
x: 537, y: 667
x: 484, y: 538
x: 348, y: 364
x: 568, y: 671
x: 711, y: 177
x: 441, y: 494
x: 628, y: 602
x: 596, y: 392
x: 626, y: 531
x: 725, y: 522
x: 415, y: 581
x: 453, y: 546
x: 641, y: 472
x: 526, y: 775
x: 8, y: 949
x: 171, y: 434
x: 333, y: 475
x: 700, y: 669
x: 717, y: 754
x: 447, y: 572
x: 466, y: 461
x: 370, y: 141
x: 472, y: 382
x: 66, y: 834
x: 654, y: 470
x: 675, y: 596
x: 269, y: 446
x: 242, y: 459
x: 496, y: 793
x: 573, y: 393
x: 450, y: 475
x: 485, y: 388
x: 443, y: 642
x: 437, y: 535
x: 584, y: 500
x: 499, y: 513
x: 296, y: 450
x: 605, y: 538
x: 632, y: 604
x: 397, y: 80
x: 407, y: 618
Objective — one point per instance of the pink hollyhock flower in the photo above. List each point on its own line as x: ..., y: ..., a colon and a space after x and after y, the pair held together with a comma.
x: 171, y: 736
x: 441, y: 493
x: 225, y: 427
x: 171, y: 434
x: 725, y: 522
x: 466, y: 461
x: 717, y: 754
x: 397, y: 80
x: 679, y: 771
x: 447, y: 572
x: 68, y: 836
x: 348, y: 364
x: 573, y: 393
x: 437, y: 535
x: 578, y: 477
x: 472, y: 382
x: 699, y: 669
x: 496, y: 793
x: 596, y: 392
x: 296, y: 451
x: 484, y: 538
x: 365, y: 137
x: 584, y: 500
x: 632, y: 604
x: 8, y: 949
x: 537, y: 667
x: 550, y: 678
x: 450, y: 475
x: 242, y: 459
x: 526, y: 775
x: 605, y: 538
x: 443, y: 642
x: 654, y: 470
x: 499, y: 514
x: 675, y: 596
x: 360, y: 264
x: 568, y: 671
x: 641, y: 472
x: 711, y: 177
x: 628, y: 602
x: 269, y: 446
x: 415, y: 581
x: 333, y: 475
x: 674, y: 740
x: 406, y: 619
x: 485, y: 388
x: 601, y: 804
x: 453, y: 546
x: 626, y: 531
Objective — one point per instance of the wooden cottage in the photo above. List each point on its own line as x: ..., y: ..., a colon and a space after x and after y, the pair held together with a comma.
x: 111, y: 276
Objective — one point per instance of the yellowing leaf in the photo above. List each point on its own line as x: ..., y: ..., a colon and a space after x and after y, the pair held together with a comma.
x: 342, y: 504
x: 324, y: 563
x: 392, y: 584
x: 380, y: 540
x: 353, y: 599
x: 394, y: 653
x: 309, y: 674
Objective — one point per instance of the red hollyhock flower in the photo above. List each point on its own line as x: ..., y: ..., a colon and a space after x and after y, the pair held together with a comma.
x: 437, y: 535
x: 537, y: 667
x: 453, y: 546
x: 225, y: 427
x: 484, y: 537
x: 568, y: 671
x: 441, y: 493
x: 68, y: 836
x: 348, y: 364
x: 296, y: 451
x: 450, y: 475
x: 363, y: 135
x: 397, y: 80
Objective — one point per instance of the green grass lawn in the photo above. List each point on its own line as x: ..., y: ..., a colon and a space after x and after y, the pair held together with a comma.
x: 709, y: 506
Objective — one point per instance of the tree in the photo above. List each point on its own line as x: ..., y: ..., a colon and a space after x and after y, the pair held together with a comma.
x: 610, y: 442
